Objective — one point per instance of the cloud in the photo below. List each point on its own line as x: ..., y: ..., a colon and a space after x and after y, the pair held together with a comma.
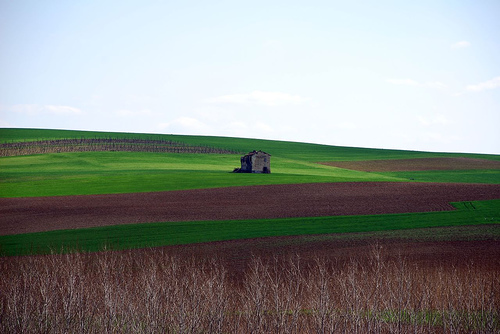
x: 185, y: 125
x: 438, y: 138
x: 436, y: 119
x: 35, y: 109
x: 490, y: 84
x: 461, y: 45
x: 259, y: 97
x: 403, y: 82
x: 61, y: 109
x: 130, y: 113
x: 435, y: 85
x: 414, y: 83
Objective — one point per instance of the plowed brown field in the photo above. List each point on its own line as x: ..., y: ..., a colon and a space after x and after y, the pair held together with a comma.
x: 420, y: 164
x: 23, y: 215
x: 441, y: 246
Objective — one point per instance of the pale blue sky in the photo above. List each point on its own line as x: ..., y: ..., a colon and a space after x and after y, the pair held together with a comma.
x: 420, y: 75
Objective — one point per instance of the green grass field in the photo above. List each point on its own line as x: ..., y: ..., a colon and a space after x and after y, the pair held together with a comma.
x: 126, y: 172
x: 85, y: 173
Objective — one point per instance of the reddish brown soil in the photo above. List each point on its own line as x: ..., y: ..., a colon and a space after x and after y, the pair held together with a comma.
x: 444, y: 246
x: 420, y: 164
x: 23, y: 215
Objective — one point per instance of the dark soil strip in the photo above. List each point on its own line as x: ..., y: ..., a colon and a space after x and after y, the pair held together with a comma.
x: 421, y: 164
x: 441, y: 246
x: 23, y: 215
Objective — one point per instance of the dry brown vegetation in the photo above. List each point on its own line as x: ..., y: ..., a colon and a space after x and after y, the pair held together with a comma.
x: 165, y: 291
x: 103, y: 144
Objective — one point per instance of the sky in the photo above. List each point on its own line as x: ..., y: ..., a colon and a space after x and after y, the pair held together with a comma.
x: 416, y: 75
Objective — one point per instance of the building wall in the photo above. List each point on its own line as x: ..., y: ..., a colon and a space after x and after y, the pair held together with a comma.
x: 246, y: 164
x: 261, y: 163
x: 256, y: 162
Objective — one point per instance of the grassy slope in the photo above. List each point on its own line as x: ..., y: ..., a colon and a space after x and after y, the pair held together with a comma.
x: 122, y: 172
x: 161, y: 234
x: 293, y: 150
x: 127, y: 172
x: 458, y: 176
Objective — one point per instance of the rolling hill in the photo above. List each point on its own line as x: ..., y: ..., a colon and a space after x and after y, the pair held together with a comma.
x: 151, y: 233
x: 102, y: 171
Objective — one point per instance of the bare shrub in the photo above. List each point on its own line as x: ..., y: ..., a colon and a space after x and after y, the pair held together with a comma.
x: 153, y: 291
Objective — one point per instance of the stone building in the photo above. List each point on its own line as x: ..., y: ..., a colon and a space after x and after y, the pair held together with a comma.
x: 255, y: 162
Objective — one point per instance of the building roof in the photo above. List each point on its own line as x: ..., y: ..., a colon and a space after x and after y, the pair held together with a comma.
x: 256, y: 152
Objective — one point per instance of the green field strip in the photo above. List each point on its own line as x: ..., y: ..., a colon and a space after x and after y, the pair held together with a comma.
x: 491, y: 176
x: 87, y: 173
x: 177, y: 233
x: 122, y: 182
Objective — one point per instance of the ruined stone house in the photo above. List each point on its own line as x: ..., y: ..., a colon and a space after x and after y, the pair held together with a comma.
x: 255, y: 162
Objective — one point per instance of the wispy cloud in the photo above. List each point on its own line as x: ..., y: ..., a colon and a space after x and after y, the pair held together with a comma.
x: 35, y: 109
x: 461, y: 45
x: 437, y: 119
x: 438, y: 138
x: 185, y: 125
x: 490, y: 84
x: 435, y: 85
x: 130, y: 113
x: 403, y: 82
x: 259, y: 97
x: 61, y: 109
x: 414, y: 83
